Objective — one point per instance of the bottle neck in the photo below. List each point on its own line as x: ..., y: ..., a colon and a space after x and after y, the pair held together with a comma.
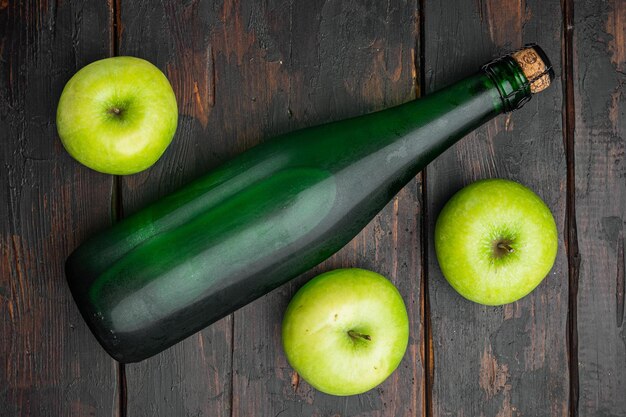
x: 413, y: 134
x: 509, y: 80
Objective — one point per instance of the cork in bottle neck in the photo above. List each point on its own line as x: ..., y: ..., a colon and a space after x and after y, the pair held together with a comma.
x: 518, y: 75
x: 535, y: 66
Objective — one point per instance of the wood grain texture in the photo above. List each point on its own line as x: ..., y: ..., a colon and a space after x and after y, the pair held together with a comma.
x: 510, y: 360
x: 193, y: 378
x: 265, y: 384
x: 244, y: 71
x: 239, y: 79
x: 600, y: 144
x: 50, y: 364
x: 315, y: 62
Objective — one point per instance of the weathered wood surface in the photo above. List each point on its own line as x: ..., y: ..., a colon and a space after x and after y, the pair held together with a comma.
x: 244, y: 71
x: 192, y: 378
x: 336, y: 59
x: 511, y: 360
x: 600, y: 143
x: 50, y: 365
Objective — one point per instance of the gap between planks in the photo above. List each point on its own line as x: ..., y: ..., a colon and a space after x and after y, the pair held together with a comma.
x: 117, y: 205
x: 571, y: 236
x: 426, y: 338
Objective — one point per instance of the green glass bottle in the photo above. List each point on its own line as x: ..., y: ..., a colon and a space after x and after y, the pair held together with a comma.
x: 273, y: 212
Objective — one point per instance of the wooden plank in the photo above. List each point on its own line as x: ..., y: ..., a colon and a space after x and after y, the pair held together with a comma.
x: 599, y: 79
x: 193, y: 377
x: 305, y: 63
x: 50, y: 364
x: 510, y: 360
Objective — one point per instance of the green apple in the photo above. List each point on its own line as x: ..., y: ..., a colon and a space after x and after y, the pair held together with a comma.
x: 495, y: 241
x: 346, y: 331
x: 117, y: 115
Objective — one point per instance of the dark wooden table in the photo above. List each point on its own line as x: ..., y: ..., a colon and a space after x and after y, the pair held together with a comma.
x: 246, y: 70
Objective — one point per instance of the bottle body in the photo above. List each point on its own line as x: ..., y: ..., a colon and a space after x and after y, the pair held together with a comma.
x: 263, y: 218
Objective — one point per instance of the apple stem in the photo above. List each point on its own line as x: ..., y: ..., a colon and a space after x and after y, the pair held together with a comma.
x: 357, y: 335
x: 506, y: 247
x: 115, y: 110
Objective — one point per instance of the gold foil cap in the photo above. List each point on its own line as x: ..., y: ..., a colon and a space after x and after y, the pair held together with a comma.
x: 535, y: 66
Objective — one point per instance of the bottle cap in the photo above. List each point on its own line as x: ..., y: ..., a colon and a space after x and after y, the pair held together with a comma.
x: 536, y: 67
